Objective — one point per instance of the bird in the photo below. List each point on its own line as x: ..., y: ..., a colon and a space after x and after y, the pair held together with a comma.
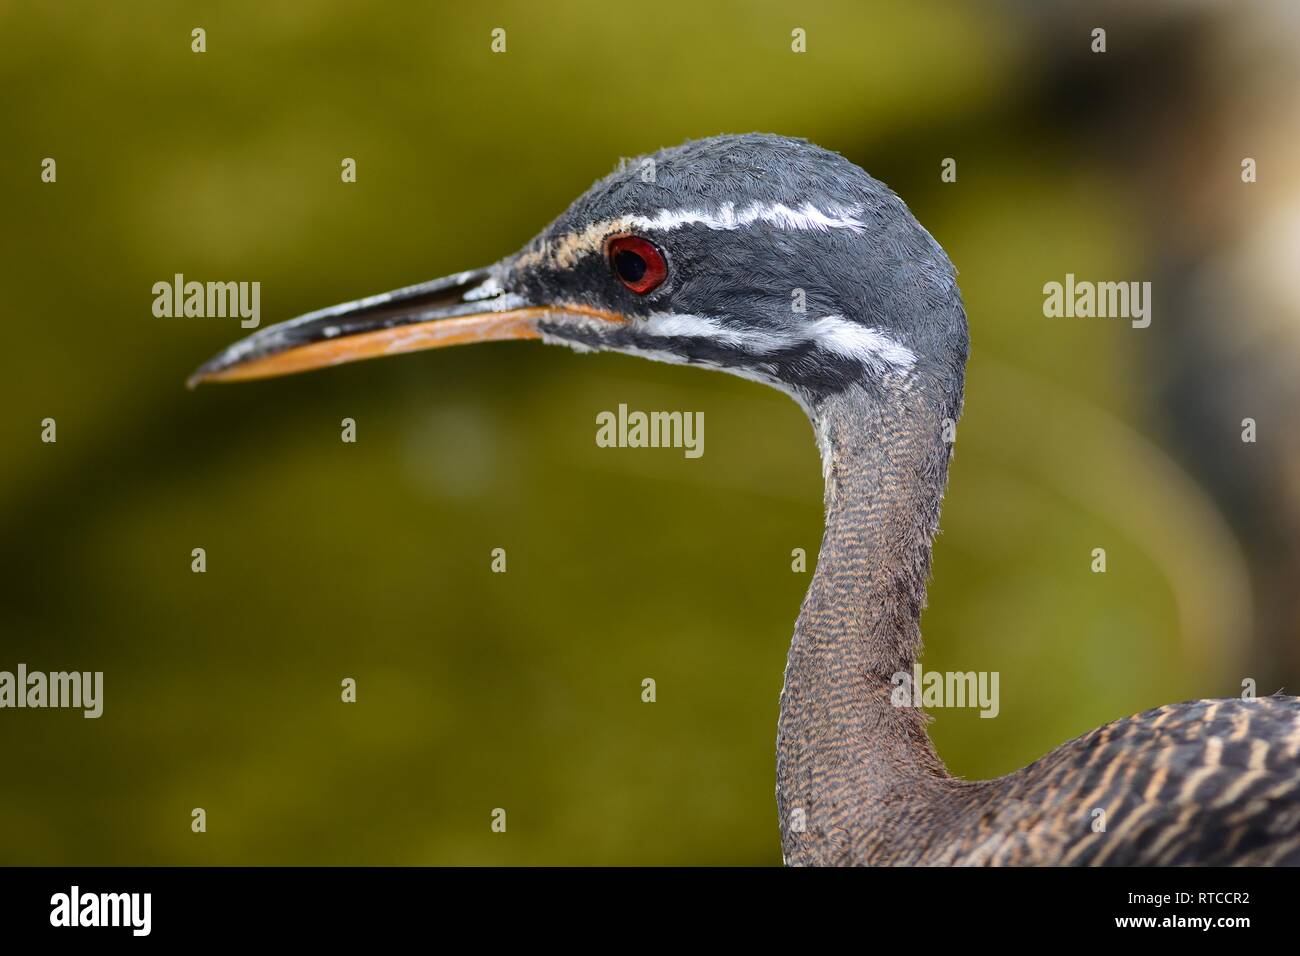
x: 776, y: 260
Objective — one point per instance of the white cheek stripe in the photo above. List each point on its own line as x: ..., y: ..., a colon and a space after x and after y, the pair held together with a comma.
x: 675, y: 324
x: 564, y: 251
x: 834, y: 333
x: 872, y: 346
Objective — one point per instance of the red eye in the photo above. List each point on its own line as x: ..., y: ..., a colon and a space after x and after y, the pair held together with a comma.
x: 636, y: 262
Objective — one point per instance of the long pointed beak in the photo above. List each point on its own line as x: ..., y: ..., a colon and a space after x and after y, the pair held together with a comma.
x: 459, y: 309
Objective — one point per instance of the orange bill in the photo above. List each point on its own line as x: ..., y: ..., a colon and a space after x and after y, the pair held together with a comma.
x: 462, y: 309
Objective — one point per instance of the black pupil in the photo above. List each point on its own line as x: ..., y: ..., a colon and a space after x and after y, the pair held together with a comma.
x: 629, y: 265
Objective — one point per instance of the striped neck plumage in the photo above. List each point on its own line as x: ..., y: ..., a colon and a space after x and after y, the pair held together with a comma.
x: 885, y: 464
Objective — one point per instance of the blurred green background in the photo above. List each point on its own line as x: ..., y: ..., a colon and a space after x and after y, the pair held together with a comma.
x: 371, y: 560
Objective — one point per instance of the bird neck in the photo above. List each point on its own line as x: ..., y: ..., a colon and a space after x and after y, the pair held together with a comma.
x: 840, y: 741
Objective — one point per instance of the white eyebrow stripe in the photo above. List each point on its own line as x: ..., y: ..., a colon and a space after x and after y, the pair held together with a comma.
x: 778, y: 214
x: 564, y: 251
x: 871, y: 346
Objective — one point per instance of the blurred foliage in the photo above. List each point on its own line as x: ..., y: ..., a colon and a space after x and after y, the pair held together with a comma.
x: 328, y: 560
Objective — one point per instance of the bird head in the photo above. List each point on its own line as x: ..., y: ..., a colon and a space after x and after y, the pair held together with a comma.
x: 759, y: 255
